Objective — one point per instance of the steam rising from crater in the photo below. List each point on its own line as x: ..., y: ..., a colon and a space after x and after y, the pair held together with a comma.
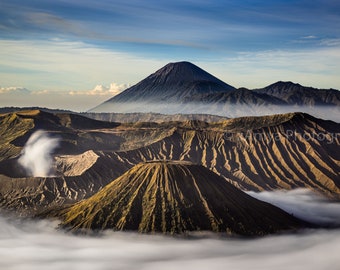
x: 36, y: 155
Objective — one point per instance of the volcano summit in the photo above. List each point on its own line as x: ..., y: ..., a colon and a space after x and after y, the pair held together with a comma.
x: 173, y: 83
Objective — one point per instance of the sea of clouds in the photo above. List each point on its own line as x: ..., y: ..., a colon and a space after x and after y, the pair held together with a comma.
x: 39, y: 245
x: 305, y: 204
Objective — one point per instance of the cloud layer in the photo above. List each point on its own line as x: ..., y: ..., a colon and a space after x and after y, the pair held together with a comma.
x: 215, y: 24
x: 60, y: 65
x: 14, y: 90
x: 303, y: 203
x: 75, y: 100
x: 101, y: 90
x: 37, y: 245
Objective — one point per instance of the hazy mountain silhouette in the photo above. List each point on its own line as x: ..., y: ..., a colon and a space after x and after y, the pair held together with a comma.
x: 183, y: 87
x: 173, y: 82
x: 296, y: 94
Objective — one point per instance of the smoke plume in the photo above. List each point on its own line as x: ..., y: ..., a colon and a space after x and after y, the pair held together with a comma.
x: 36, y: 155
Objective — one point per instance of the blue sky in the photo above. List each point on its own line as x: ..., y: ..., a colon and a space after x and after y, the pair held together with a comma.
x: 62, y: 47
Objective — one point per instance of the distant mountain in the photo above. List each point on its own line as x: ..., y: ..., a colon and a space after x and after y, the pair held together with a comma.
x: 16, y: 109
x: 296, y: 94
x: 175, y: 197
x: 240, y: 96
x: 187, y: 89
x: 175, y: 82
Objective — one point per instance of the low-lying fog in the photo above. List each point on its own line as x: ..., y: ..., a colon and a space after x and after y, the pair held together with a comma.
x: 38, y: 245
x: 303, y: 204
x: 227, y: 110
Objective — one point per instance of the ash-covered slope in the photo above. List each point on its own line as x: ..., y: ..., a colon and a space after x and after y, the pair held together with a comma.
x: 253, y: 153
x: 257, y: 153
x: 175, y: 82
x: 76, y: 133
x: 175, y: 197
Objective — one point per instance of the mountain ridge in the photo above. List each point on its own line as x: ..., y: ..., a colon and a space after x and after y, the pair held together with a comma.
x: 185, y: 88
x: 253, y: 153
x: 296, y: 94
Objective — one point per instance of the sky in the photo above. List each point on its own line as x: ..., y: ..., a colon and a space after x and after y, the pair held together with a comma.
x: 76, y: 54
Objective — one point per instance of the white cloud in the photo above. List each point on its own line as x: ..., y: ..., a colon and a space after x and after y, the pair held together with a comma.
x: 331, y: 42
x: 303, y: 203
x: 42, y: 92
x: 14, y: 90
x: 310, y: 67
x: 101, y: 90
x: 309, y: 37
x: 73, y: 100
x: 62, y: 65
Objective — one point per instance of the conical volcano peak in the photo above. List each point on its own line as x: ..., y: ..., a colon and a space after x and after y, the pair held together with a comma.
x: 185, y: 72
x: 176, y: 83
x: 175, y: 197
